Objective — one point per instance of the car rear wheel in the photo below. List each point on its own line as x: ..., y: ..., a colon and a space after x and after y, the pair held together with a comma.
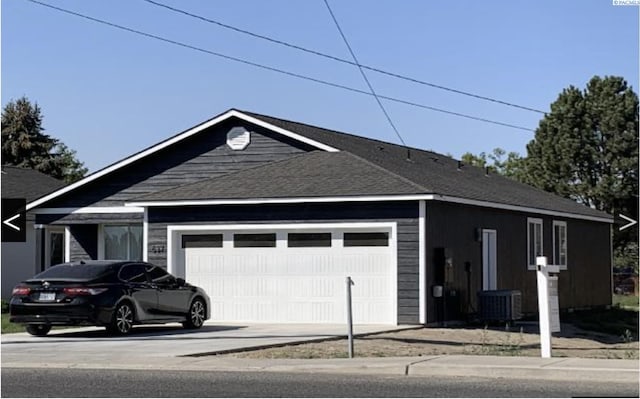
x: 122, y: 321
x: 39, y: 330
x: 197, y: 314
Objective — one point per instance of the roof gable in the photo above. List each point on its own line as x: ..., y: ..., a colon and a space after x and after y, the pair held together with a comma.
x: 171, y: 141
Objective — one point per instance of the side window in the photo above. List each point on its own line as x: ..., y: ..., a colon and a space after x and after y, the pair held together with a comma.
x: 534, y: 241
x: 560, y: 243
x: 133, y: 274
x: 159, y: 276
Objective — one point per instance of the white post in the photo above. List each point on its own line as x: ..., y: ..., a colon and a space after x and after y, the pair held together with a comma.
x: 543, y: 306
x: 549, y: 309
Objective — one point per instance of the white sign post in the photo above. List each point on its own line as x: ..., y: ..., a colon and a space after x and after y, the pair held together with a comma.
x: 548, y: 307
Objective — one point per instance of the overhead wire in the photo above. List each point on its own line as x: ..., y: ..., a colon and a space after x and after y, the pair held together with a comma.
x: 364, y: 75
x: 342, y: 60
x: 270, y: 68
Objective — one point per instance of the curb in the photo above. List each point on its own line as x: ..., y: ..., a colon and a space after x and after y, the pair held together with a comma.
x: 434, y: 366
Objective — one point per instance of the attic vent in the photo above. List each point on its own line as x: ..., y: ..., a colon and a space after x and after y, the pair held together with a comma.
x: 238, y: 138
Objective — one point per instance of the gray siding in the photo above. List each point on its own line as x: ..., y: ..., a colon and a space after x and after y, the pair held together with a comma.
x: 84, y: 242
x: 405, y: 214
x: 586, y: 282
x: 204, y: 155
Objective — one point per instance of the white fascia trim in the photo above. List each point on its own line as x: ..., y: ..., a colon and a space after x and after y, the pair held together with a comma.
x: 518, y: 208
x: 284, y: 132
x: 88, y: 209
x: 175, y: 139
x: 422, y: 261
x: 374, y: 198
x: 252, y: 201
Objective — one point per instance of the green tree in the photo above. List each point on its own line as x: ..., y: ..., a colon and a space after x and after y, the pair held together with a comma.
x: 586, y: 149
x: 511, y: 167
x: 25, y: 144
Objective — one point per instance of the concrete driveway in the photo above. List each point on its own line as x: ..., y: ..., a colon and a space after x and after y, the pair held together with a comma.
x: 80, y: 345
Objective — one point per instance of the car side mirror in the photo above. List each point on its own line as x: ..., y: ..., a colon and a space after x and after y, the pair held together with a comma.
x: 180, y: 282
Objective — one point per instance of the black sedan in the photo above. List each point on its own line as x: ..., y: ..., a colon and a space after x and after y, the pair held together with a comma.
x: 114, y: 294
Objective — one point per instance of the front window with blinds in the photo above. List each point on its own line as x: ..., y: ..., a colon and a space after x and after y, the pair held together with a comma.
x: 534, y: 240
x: 560, y: 243
x: 122, y: 242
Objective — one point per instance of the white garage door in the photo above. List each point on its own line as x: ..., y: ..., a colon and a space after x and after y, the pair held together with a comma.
x: 293, y: 276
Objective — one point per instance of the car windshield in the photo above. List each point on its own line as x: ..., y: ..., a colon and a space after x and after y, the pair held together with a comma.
x: 75, y: 272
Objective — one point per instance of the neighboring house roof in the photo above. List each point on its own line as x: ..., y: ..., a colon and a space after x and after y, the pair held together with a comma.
x: 401, y: 170
x: 26, y: 183
x: 312, y: 174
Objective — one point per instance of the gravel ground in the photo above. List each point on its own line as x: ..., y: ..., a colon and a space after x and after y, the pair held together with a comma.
x: 519, y: 340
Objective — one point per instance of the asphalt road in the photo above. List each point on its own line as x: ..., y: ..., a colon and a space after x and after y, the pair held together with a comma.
x: 130, y: 383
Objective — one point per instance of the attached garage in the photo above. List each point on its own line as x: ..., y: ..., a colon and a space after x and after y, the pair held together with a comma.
x: 291, y: 274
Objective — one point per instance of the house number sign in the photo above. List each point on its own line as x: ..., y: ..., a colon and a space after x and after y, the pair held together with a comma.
x: 158, y: 249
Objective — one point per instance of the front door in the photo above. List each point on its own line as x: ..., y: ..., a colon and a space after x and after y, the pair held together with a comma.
x: 489, y: 260
x: 54, y: 246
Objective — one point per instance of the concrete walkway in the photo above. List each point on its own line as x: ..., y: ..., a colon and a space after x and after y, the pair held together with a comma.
x: 172, y: 348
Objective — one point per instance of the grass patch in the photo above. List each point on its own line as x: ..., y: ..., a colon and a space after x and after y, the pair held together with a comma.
x: 626, y: 301
x: 7, y: 327
x: 615, y: 321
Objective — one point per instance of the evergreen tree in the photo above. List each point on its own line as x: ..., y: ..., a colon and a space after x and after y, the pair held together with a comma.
x: 586, y: 149
x: 25, y: 144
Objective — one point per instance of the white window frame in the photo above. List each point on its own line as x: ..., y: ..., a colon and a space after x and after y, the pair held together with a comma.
x: 101, y: 238
x: 535, y: 221
x: 566, y: 240
x: 66, y: 238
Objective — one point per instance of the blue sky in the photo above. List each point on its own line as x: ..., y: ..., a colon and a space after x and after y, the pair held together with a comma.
x: 108, y: 93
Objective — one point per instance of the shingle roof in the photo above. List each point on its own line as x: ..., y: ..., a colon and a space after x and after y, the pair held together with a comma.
x: 26, y: 183
x: 435, y: 172
x: 312, y: 174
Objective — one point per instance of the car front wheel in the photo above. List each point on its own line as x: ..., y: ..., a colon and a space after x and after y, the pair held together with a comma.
x: 39, y: 330
x: 196, y: 315
x: 122, y: 321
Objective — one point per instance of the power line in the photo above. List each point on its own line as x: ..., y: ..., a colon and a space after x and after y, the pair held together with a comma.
x: 364, y: 76
x: 338, y: 59
x: 269, y: 68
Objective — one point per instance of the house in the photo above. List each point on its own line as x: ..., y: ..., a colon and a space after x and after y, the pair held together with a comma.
x: 19, y: 258
x: 270, y: 216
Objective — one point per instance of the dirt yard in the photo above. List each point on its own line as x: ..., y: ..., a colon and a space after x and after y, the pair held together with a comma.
x: 519, y: 340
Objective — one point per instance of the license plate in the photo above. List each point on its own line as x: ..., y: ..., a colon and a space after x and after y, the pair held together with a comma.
x: 47, y: 296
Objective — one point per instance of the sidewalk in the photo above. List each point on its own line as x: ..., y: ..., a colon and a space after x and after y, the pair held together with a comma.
x: 573, y: 369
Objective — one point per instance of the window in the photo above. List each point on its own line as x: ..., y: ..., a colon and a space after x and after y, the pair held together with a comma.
x: 308, y: 240
x: 159, y: 276
x: 560, y: 243
x: 133, y: 274
x: 534, y: 240
x: 254, y: 240
x: 202, y: 241
x: 122, y: 242
x: 366, y: 239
